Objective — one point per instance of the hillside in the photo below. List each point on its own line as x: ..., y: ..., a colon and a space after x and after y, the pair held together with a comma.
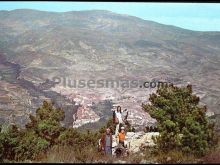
x: 97, y: 45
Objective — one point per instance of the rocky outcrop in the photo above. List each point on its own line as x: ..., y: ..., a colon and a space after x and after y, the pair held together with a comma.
x: 139, y: 140
x: 136, y: 141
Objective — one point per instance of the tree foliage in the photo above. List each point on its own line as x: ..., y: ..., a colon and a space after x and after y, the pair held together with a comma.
x: 182, y: 123
x: 42, y: 132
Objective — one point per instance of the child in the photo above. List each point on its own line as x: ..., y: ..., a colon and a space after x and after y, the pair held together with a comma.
x: 122, y: 136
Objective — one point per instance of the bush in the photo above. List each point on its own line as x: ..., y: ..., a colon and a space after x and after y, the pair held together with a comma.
x: 2, y: 139
x: 41, y: 133
x: 68, y: 137
x: 8, y: 142
x: 46, y: 123
x: 30, y: 145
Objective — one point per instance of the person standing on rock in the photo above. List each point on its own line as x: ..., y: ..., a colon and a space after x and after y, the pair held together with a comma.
x: 118, y: 120
x: 106, y: 142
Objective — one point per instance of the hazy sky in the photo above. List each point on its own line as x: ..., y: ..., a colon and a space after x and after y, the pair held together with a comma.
x: 193, y: 16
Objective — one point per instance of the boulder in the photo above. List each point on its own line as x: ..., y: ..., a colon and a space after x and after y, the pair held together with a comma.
x: 140, y: 140
x: 136, y: 141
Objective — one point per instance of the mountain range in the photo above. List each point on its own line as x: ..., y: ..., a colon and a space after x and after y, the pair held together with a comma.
x: 36, y: 46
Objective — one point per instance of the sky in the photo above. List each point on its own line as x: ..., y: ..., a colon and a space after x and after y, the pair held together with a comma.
x: 192, y: 16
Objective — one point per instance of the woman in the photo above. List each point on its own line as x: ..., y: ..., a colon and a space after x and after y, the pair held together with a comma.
x: 118, y: 120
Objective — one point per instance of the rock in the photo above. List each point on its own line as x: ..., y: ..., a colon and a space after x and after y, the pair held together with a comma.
x: 168, y: 159
x: 136, y: 141
x: 143, y: 161
x: 140, y: 140
x: 142, y: 154
x: 130, y: 134
x: 121, y: 162
x: 114, y: 144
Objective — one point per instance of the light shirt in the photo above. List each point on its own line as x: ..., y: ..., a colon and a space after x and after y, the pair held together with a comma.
x: 119, y: 116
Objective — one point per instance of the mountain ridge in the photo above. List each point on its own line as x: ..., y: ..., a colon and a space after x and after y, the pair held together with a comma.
x: 97, y: 11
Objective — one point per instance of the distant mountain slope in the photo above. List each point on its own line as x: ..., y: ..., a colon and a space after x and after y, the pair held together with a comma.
x: 101, y: 44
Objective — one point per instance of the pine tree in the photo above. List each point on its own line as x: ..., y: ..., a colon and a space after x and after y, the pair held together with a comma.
x: 46, y: 123
x: 182, y: 123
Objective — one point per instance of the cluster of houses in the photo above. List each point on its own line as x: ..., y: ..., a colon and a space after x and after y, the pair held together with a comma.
x: 83, y: 116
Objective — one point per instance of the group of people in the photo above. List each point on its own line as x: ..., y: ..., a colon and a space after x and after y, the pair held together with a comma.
x: 120, y: 120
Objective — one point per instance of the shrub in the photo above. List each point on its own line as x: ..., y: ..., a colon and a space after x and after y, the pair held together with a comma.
x: 8, y: 142
x: 30, y: 145
x: 2, y: 139
x: 46, y: 123
x: 41, y: 133
x: 68, y: 137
